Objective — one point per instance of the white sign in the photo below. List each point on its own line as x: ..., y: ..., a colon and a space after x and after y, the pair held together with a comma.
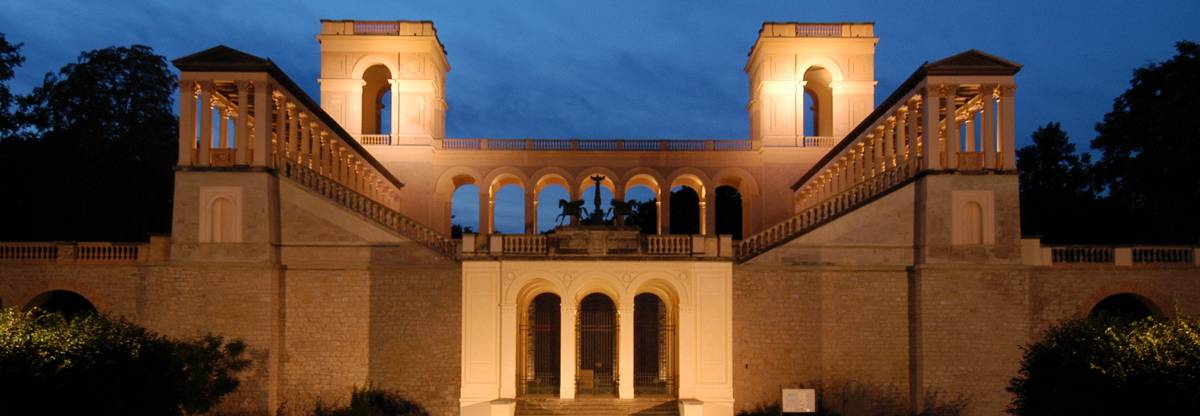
x: 799, y: 401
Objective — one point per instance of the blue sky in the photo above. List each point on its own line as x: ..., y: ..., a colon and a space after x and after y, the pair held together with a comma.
x: 639, y: 69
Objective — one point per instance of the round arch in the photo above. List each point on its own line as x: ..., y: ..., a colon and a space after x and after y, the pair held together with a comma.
x: 643, y: 176
x: 551, y: 176
x: 1147, y: 293
x: 363, y: 63
x: 691, y: 177
x: 595, y: 282
x: 1131, y: 304
x: 835, y: 71
x: 457, y: 176
x: 611, y: 179
x: 738, y: 178
x: 504, y: 176
x: 660, y: 285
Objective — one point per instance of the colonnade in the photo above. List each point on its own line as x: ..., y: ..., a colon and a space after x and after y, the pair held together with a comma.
x: 978, y: 136
x: 272, y: 127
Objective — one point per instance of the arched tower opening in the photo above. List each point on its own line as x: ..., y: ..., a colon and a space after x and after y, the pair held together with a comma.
x: 729, y: 211
x: 685, y: 210
x: 818, y: 96
x: 375, y: 111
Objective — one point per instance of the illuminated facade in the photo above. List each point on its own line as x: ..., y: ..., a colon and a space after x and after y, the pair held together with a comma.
x: 880, y: 258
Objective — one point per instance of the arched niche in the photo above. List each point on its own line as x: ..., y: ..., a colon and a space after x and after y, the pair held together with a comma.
x: 1127, y: 305
x: 66, y: 302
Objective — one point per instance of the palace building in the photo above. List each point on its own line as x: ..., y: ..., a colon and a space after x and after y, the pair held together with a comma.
x: 878, y: 258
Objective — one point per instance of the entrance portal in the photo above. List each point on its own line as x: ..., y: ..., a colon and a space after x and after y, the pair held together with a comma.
x: 653, y: 347
x: 542, y: 334
x: 597, y: 346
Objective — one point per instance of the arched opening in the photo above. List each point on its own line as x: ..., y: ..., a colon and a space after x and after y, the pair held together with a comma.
x: 653, y: 347
x: 464, y: 211
x: 644, y: 204
x: 818, y: 95
x: 509, y: 210
x: 541, y: 334
x: 549, y: 209
x: 69, y: 303
x: 1126, y: 305
x: 221, y: 229
x: 385, y: 112
x: 597, y: 346
x: 729, y: 211
x: 589, y: 205
x: 375, y: 88
x: 685, y: 210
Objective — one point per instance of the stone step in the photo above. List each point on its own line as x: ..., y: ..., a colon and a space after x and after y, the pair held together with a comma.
x: 597, y: 407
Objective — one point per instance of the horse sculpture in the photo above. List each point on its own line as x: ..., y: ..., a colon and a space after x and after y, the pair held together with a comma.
x: 621, y: 210
x: 570, y: 209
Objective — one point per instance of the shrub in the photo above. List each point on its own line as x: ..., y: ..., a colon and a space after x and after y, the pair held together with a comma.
x: 1108, y: 365
x: 103, y: 365
x: 369, y: 401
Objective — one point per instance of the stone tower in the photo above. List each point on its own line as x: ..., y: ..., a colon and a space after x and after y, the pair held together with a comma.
x: 362, y: 62
x: 829, y: 67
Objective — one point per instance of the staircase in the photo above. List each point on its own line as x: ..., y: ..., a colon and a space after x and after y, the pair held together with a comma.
x: 597, y: 407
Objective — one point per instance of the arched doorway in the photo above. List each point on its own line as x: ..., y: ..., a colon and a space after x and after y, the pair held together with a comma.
x: 654, y: 350
x: 597, y: 347
x: 1126, y: 305
x: 541, y: 334
x: 69, y: 303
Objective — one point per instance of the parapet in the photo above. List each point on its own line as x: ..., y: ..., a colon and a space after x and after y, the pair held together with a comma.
x: 828, y: 30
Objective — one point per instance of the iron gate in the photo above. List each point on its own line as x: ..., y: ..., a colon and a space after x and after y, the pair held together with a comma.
x: 653, y: 348
x: 597, y: 346
x: 541, y: 334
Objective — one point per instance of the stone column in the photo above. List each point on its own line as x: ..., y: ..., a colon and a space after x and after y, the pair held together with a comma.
x: 531, y: 214
x: 305, y: 153
x: 187, y: 121
x: 241, y: 136
x: 567, y: 364
x: 988, y: 101
x: 889, y: 144
x: 223, y: 129
x: 206, y: 122
x: 913, y: 123
x: 950, y: 93
x: 931, y: 127
x: 625, y: 350
x: 1007, y: 127
x: 708, y: 212
x: 485, y: 211
x: 293, y: 137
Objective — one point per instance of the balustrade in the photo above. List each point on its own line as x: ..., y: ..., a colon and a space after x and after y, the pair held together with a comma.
x: 81, y: 252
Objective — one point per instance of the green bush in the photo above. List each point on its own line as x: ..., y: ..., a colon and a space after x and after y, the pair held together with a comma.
x: 1108, y: 365
x: 103, y: 365
x: 369, y: 401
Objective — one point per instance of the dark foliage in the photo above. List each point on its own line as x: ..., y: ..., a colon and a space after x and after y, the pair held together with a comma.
x: 373, y: 402
x: 729, y: 211
x: 101, y: 365
x: 1105, y: 365
x: 1058, y: 201
x: 10, y: 59
x: 685, y: 211
x: 95, y: 160
x: 1151, y: 149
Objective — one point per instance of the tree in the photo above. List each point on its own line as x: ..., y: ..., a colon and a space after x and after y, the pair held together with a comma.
x: 99, y: 163
x: 1150, y: 146
x: 1058, y: 200
x: 10, y: 58
x: 102, y: 365
x: 1107, y: 365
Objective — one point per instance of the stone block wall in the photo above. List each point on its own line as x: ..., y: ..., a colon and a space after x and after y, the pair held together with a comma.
x: 415, y: 342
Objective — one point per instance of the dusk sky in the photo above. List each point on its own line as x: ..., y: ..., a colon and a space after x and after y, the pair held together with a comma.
x: 639, y: 69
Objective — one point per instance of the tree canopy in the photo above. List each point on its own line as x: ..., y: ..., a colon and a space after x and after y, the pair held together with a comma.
x: 1106, y: 365
x: 101, y: 365
x: 1146, y: 184
x: 1150, y: 146
x: 95, y: 151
